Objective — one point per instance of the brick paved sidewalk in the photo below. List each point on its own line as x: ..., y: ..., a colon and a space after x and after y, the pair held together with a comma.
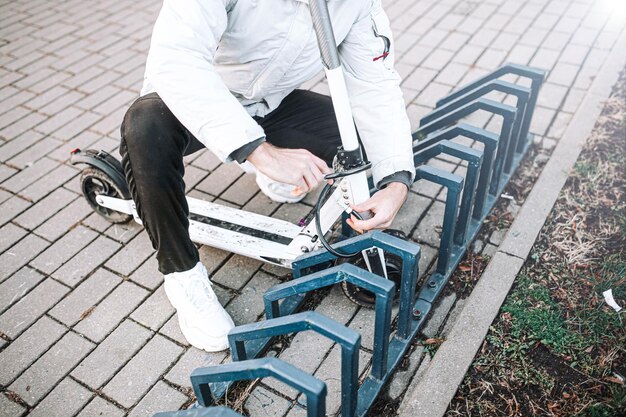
x: 86, y: 329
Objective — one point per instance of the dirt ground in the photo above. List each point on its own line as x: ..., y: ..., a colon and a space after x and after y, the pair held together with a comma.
x: 557, y: 348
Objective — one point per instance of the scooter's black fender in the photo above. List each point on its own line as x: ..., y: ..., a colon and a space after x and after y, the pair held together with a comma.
x: 104, y: 162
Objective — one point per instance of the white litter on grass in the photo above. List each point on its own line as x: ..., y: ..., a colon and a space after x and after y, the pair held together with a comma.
x: 608, y: 297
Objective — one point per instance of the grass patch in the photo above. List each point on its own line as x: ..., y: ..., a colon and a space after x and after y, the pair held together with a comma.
x: 557, y: 348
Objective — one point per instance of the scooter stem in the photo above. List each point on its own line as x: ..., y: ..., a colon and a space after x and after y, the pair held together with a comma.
x: 334, y: 73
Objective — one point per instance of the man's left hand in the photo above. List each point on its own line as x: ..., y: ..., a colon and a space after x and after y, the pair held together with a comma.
x: 384, y: 205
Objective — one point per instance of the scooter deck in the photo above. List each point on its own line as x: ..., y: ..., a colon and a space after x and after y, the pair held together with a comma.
x: 246, y: 233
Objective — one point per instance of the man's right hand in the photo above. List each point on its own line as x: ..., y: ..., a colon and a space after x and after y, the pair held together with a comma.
x: 297, y: 167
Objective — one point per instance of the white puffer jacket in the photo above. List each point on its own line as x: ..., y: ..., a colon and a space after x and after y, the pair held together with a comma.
x: 217, y: 63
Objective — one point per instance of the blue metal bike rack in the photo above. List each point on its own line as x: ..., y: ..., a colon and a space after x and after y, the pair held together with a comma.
x: 313, y: 388
x: 469, y: 200
x: 507, y: 113
x: 348, y: 339
x: 536, y: 77
x: 202, y: 412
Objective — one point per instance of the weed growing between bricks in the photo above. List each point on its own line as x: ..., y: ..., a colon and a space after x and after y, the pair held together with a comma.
x: 557, y: 348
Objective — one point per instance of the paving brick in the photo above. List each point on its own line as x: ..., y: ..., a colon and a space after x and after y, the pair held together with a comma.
x: 171, y: 329
x: 220, y: 179
x: 82, y: 141
x: 263, y: 403
x: 64, y: 220
x: 31, y: 307
x: 40, y: 100
x: 242, y: 190
x: 261, y: 204
x: 585, y: 78
x: 107, y: 315
x: 438, y: 316
x: 427, y: 229
x: 76, y: 125
x: 151, y: 361
x: 27, y: 348
x: 596, y: 58
x: 65, y: 400
x: 558, y: 127
x: 18, y: 255
x: 45, y: 208
x: 59, y: 120
x: 410, y: 212
x: 10, y: 234
x: 123, y: 232
x: 4, y: 196
x: 420, y: 78
x: 193, y: 176
x: 98, y: 82
x: 132, y: 255
x: 17, y: 285
x: 98, y: 97
x: 111, y: 354
x: 433, y: 92
x: 76, y: 304
x: 13, y: 115
x: 292, y: 213
x: 492, y: 59
x: 100, y: 407
x: 563, y: 74
x: 451, y: 75
x: 161, y: 397
x: 9, y: 408
x: 6, y: 172
x: 551, y: 95
x: 88, y: 259
x: 96, y: 222
x: 13, y: 97
x: 573, y: 100
x: 402, y: 376
x: 236, y: 271
x: 44, y: 374
x: 306, y: 351
x: 249, y: 305
x: 542, y: 118
x: 148, y: 274
x: 34, y: 152
x: 330, y: 373
x: 111, y: 123
x: 64, y: 249
x: 61, y: 103
x: 155, y: 311
x: 193, y: 358
x: 34, y: 77
x: 29, y: 175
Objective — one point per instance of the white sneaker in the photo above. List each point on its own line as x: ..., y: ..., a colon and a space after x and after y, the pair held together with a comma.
x: 276, y: 191
x: 202, y: 319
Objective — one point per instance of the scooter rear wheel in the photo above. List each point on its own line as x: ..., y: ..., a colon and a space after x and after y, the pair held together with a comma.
x: 93, y: 183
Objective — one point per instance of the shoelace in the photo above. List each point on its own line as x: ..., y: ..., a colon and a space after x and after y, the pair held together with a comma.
x: 196, y: 293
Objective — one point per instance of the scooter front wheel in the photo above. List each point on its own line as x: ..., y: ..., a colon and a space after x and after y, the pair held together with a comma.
x: 93, y: 183
x: 365, y: 298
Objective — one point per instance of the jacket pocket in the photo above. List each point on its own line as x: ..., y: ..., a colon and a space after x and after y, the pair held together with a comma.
x: 382, y: 30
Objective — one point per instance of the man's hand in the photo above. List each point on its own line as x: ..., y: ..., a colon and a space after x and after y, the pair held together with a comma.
x: 297, y: 167
x: 384, y: 205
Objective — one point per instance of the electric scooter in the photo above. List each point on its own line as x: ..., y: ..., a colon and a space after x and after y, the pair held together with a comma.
x: 253, y: 235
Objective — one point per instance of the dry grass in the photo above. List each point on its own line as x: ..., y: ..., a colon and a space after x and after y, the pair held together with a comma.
x: 557, y: 349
